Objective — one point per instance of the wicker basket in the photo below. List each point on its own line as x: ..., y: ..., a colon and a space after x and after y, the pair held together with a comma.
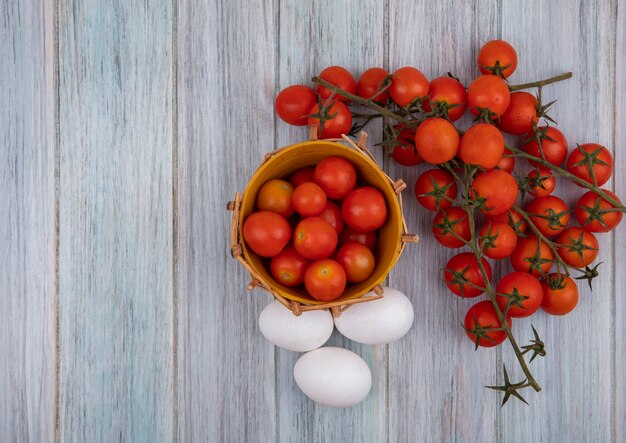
x: 284, y: 161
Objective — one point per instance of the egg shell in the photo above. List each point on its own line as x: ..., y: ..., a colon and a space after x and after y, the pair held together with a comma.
x: 302, y: 333
x: 334, y: 377
x: 377, y: 322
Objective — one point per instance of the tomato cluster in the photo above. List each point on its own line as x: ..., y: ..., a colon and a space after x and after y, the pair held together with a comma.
x: 318, y: 228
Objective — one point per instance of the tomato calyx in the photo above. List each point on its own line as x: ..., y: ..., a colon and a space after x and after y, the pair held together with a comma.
x: 458, y: 278
x: 513, y: 299
x: 556, y: 281
x: 590, y: 159
x: 323, y: 115
x: 447, y: 226
x: 510, y: 388
x: 481, y: 332
x: 578, y: 246
x: 438, y: 192
x: 485, y: 115
x: 536, y: 262
x: 542, y: 111
x: 488, y: 240
x: 596, y: 213
x: 553, y: 218
x: 537, y: 346
x: 540, y: 134
x: 589, y: 274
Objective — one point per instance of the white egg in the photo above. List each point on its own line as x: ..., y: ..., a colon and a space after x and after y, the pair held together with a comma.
x: 333, y: 377
x: 377, y: 322
x: 301, y: 333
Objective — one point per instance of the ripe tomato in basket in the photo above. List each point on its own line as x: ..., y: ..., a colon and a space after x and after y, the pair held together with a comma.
x: 325, y: 280
x: 369, y: 239
x: 332, y: 215
x: 357, y: 260
x: 314, y: 238
x: 364, y: 209
x: 336, y: 176
x: 266, y: 233
x: 301, y: 176
x: 288, y: 267
x: 479, y: 322
x: 276, y: 196
x: 309, y: 199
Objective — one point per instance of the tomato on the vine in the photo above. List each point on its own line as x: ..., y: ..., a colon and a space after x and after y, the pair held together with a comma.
x: 496, y: 191
x: 314, y: 238
x: 549, y: 214
x: 577, y: 247
x: 553, y: 145
x: 332, y: 215
x: 435, y: 189
x: 488, y: 94
x: 497, y: 239
x: 325, y: 280
x: 590, y: 212
x: 357, y: 260
x: 288, y: 267
x: 266, y: 233
x: 369, y: 239
x: 407, y: 85
x: 446, y: 94
x: 464, y: 277
x: 294, y: 103
x: 451, y: 227
x: 405, y: 153
x: 507, y: 162
x: 371, y: 82
x: 523, y: 294
x: 482, y: 145
x: 591, y: 162
x: 337, y: 120
x: 483, y: 326
x: 276, y: 196
x: 497, y: 57
x: 560, y: 294
x: 513, y: 218
x: 364, y: 209
x: 436, y: 140
x: 303, y: 175
x: 541, y: 182
x: 339, y: 77
x: 519, y: 117
x: 532, y: 255
x: 336, y: 176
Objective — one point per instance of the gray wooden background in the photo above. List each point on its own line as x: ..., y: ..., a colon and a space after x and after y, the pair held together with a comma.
x: 125, y: 126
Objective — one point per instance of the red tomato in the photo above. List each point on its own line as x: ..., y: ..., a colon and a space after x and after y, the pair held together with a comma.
x: 288, y: 267
x: 435, y: 189
x: 549, y: 214
x: 325, y: 280
x: 313, y: 238
x: 524, y: 294
x: 577, y: 247
x: 407, y: 85
x: 451, y: 227
x: 519, y: 117
x: 512, y: 217
x: 589, y: 217
x: 448, y: 95
x: 372, y: 81
x: 482, y: 145
x: 266, y: 233
x: 275, y: 196
x: 591, y: 161
x: 336, y: 176
x: 309, y: 199
x: 364, y: 209
x: 369, y: 239
x: 498, y: 189
x: 479, y: 322
x: 406, y: 153
x: 357, y: 260
x: 532, y: 256
x: 541, y: 182
x: 436, y: 140
x: 497, y: 240
x: 553, y: 145
x: 339, y: 77
x: 339, y: 120
x: 507, y: 162
x: 462, y: 269
x: 497, y: 57
x: 294, y: 103
x: 488, y: 94
x: 332, y: 215
x: 303, y: 175
x: 560, y: 294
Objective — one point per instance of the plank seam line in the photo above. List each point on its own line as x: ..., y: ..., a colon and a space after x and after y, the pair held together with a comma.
x: 276, y: 88
x: 386, y: 168
x: 57, y: 222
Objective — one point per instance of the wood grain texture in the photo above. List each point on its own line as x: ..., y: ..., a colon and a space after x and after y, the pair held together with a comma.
x: 435, y: 378
x: 115, y: 255
x: 226, y: 73
x: 27, y: 222
x: 576, y: 375
x: 313, y: 36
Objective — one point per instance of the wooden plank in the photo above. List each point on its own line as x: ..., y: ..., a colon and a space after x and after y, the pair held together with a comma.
x: 618, y: 404
x: 436, y: 379
x: 313, y: 36
x: 116, y: 256
x: 27, y: 222
x: 226, y: 72
x: 576, y: 374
